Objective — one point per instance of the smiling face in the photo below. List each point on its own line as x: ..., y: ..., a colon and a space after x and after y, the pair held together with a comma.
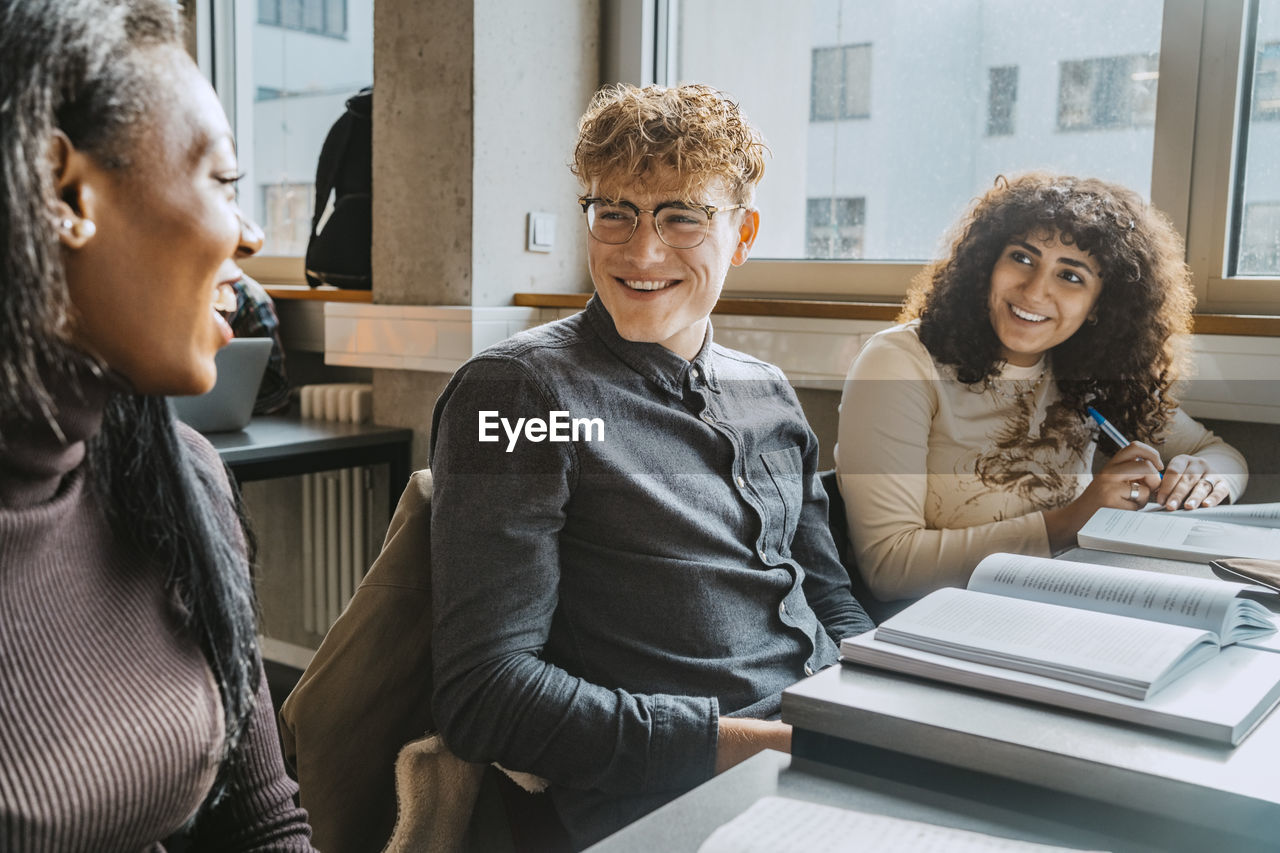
x: 1042, y: 291
x: 657, y: 294
x: 167, y: 232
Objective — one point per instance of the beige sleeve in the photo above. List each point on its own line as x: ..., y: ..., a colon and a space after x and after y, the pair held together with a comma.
x: 886, y: 422
x: 1185, y: 434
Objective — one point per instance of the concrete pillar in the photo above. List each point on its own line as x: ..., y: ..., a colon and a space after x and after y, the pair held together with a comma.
x: 475, y: 111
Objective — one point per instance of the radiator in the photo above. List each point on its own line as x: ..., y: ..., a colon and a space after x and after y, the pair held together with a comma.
x: 337, y: 510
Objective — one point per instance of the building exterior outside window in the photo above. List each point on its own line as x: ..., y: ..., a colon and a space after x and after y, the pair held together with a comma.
x: 834, y: 227
x: 1266, y: 83
x: 841, y: 83
x: 1002, y: 100
x: 325, y: 17
x: 1108, y: 92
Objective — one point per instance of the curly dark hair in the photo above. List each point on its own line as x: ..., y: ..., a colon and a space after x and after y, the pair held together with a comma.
x: 1128, y: 363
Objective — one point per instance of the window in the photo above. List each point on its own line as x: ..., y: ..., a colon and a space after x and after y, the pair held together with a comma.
x: 965, y: 90
x: 1002, y: 97
x: 1266, y: 83
x: 1257, y: 240
x: 841, y: 87
x: 290, y: 84
x: 1110, y: 92
x: 1260, y: 239
x: 286, y: 220
x: 325, y: 17
x: 833, y: 227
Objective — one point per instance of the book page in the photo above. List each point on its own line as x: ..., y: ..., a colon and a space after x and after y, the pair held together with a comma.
x: 1117, y: 653
x: 783, y: 825
x: 1177, y: 599
x: 1177, y: 535
x: 1256, y: 515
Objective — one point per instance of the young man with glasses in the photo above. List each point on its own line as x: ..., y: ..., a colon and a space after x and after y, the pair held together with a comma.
x: 618, y: 613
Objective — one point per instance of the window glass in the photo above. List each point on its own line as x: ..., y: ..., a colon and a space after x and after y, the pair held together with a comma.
x: 1258, y: 240
x: 915, y: 106
x: 301, y: 67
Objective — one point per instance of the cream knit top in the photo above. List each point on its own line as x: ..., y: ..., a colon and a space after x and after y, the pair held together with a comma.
x: 937, y: 474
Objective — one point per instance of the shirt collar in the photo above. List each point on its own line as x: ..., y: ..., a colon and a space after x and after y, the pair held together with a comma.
x: 653, y: 361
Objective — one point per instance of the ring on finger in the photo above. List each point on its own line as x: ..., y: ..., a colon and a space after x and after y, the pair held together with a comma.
x: 1134, y: 491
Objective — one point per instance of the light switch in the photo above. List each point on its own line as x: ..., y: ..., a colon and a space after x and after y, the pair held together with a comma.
x: 541, y: 231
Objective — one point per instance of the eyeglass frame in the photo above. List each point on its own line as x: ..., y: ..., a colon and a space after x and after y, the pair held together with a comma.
x: 710, y: 210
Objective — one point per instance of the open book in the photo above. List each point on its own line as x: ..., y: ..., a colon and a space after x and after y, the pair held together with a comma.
x: 1254, y: 515
x: 1125, y: 631
x: 1199, y: 535
x: 1101, y: 639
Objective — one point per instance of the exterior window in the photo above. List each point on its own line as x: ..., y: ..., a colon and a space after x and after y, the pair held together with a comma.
x: 324, y: 17
x: 287, y: 212
x: 1002, y: 97
x: 293, y: 85
x: 1257, y: 242
x: 965, y: 90
x: 1110, y: 92
x: 834, y: 226
x: 1266, y: 83
x: 1260, y: 239
x: 841, y: 87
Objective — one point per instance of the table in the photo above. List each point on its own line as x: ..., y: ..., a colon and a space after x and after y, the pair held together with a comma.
x: 1150, y: 789
x: 282, y: 446
x: 683, y: 824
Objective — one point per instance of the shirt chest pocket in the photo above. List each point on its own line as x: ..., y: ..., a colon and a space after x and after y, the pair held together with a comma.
x: 786, y: 472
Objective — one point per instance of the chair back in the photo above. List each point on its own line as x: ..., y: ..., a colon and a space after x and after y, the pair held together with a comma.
x: 878, y: 610
x: 367, y: 691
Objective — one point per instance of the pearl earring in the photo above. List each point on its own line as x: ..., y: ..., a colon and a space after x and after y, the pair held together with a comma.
x: 85, y: 229
x: 65, y: 224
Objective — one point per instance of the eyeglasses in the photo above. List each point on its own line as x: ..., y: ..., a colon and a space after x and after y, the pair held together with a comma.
x: 679, y: 225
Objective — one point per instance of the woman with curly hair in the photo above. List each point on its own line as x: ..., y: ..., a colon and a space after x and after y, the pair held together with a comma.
x: 133, y: 707
x: 964, y: 430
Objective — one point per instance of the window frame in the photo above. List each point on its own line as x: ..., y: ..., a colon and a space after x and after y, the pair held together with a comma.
x: 1193, y: 156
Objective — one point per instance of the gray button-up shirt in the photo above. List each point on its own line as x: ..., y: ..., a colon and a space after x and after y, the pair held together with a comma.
x: 600, y: 602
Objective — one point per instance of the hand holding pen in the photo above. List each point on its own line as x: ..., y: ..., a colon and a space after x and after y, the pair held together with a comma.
x: 1185, y: 483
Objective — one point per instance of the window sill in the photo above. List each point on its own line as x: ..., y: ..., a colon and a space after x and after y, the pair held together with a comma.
x: 1250, y: 325
x: 317, y: 294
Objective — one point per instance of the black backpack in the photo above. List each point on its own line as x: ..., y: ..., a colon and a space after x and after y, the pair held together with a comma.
x: 338, y: 252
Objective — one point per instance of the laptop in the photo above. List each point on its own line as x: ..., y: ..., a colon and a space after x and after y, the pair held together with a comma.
x: 229, y: 404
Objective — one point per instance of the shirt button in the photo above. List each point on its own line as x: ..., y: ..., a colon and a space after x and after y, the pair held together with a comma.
x: 808, y: 670
x: 708, y: 417
x: 693, y: 372
x: 782, y: 609
x: 742, y: 484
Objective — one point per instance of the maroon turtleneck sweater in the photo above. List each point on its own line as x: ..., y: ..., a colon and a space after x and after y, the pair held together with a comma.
x: 110, y: 720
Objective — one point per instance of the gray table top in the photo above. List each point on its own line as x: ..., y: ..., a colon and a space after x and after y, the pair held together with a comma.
x: 275, y: 437
x: 683, y: 824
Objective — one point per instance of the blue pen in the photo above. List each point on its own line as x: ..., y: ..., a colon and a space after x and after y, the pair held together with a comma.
x: 1107, y: 429
x: 1112, y: 433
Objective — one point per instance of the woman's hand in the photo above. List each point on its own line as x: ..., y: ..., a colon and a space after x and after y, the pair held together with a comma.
x: 1128, y: 481
x: 1188, y: 483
